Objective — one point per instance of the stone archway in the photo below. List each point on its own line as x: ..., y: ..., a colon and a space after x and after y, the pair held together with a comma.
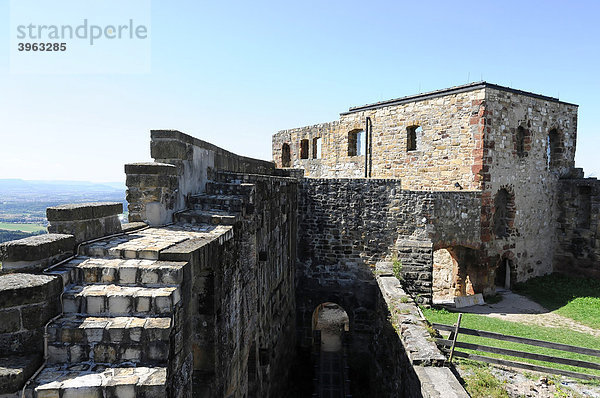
x: 457, y: 272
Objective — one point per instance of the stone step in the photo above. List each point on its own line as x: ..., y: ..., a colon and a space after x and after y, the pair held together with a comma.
x: 127, y: 272
x: 109, y: 340
x: 228, y: 188
x: 146, y: 244
x: 230, y: 203
x: 117, y: 300
x: 15, y: 371
x: 215, y: 217
x: 85, y: 380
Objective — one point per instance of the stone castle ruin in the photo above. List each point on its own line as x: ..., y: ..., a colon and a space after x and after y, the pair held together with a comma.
x: 237, y: 277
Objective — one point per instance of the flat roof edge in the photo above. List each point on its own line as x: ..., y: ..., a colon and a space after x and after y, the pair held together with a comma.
x: 447, y: 91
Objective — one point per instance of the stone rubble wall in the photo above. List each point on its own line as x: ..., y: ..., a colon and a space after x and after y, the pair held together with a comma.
x: 578, y: 251
x: 534, y: 184
x: 446, y: 148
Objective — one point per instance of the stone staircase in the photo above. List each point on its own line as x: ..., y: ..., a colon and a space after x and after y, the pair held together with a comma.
x: 119, y: 330
x: 223, y: 203
x: 121, y: 326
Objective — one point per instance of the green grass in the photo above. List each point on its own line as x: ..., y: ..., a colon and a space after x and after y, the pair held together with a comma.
x: 559, y: 335
x: 9, y: 226
x: 481, y: 382
x: 575, y: 298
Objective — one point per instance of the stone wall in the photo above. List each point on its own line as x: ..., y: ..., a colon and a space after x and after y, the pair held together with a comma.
x: 527, y: 175
x: 409, y: 364
x: 578, y: 251
x: 445, y: 151
x: 155, y: 193
x: 85, y: 221
x: 27, y: 302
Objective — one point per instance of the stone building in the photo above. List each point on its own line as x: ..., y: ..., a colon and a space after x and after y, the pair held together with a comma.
x: 511, y: 151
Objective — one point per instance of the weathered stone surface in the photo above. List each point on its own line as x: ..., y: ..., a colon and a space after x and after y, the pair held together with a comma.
x: 150, y: 168
x: 83, y: 211
x: 15, y: 370
x: 36, y: 252
x: 439, y: 383
x: 22, y: 289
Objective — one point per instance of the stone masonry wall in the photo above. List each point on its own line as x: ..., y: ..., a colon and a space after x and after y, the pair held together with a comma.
x: 578, y: 251
x: 526, y: 174
x: 347, y: 225
x: 444, y: 156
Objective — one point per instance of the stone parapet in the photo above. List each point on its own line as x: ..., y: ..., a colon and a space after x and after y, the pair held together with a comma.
x: 35, y: 253
x: 85, y: 221
x: 417, y: 360
x: 27, y: 302
x: 151, y: 191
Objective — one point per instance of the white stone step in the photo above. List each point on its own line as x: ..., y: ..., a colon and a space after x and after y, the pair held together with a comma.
x: 109, y: 340
x: 127, y: 272
x: 88, y: 381
x: 114, y: 300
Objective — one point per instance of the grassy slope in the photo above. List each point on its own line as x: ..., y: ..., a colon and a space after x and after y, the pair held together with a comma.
x: 575, y: 298
x: 558, y: 335
x: 21, y: 227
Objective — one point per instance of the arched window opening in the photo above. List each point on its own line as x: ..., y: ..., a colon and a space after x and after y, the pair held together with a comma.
x: 356, y: 143
x: 412, y: 132
x: 520, y: 138
x: 503, y: 213
x: 304, y: 149
x: 553, y: 149
x: 286, y: 157
x: 316, y: 148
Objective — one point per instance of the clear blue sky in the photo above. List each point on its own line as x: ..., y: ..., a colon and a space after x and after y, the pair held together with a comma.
x: 233, y: 73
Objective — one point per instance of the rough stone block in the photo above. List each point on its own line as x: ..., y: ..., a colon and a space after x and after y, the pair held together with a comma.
x: 36, y: 252
x: 83, y: 211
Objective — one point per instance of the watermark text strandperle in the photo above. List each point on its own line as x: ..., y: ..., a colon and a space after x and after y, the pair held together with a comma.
x: 83, y: 31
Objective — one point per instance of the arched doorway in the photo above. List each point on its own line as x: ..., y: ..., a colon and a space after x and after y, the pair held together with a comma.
x: 332, y: 321
x: 457, y: 272
x: 330, y: 325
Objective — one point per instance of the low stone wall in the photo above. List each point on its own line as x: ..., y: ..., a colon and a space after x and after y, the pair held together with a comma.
x: 27, y: 302
x: 35, y: 253
x: 85, y: 221
x: 409, y: 364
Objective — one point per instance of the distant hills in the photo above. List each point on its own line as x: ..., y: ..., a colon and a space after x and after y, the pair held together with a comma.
x: 25, y: 201
x: 20, y: 186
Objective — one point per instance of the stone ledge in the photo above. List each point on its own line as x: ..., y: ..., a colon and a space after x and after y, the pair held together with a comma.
x: 439, y: 383
x: 35, y: 252
x: 16, y: 370
x: 21, y: 289
x: 421, y: 350
x: 150, y: 168
x: 83, y: 211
